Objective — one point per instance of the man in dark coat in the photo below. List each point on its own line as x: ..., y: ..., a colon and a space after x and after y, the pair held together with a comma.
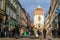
x: 44, y: 33
x: 16, y: 32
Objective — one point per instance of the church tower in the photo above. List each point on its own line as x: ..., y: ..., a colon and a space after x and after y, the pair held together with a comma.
x: 39, y: 18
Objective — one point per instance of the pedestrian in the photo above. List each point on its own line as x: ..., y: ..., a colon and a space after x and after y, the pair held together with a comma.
x: 54, y: 33
x: 21, y: 32
x: 44, y: 33
x: 25, y: 34
x: 11, y: 33
x: 16, y: 32
x: 35, y: 31
x: 0, y: 30
x: 39, y: 33
x: 29, y: 33
x: 58, y: 32
x: 6, y: 32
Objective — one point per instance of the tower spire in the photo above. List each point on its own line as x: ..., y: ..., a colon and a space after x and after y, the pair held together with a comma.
x: 38, y: 6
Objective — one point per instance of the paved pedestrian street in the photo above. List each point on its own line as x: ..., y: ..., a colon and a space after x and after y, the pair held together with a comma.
x: 26, y: 39
x: 17, y: 39
x: 48, y: 38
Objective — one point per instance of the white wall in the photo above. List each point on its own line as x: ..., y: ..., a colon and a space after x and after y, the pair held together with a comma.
x: 36, y: 21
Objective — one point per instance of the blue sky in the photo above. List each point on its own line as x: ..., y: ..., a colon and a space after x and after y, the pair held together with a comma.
x: 30, y: 5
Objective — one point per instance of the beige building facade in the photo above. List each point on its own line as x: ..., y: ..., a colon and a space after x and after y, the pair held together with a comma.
x: 52, y: 16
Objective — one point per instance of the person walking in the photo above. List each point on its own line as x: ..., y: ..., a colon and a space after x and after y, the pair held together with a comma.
x: 6, y: 32
x: 21, y: 32
x: 25, y: 34
x: 54, y: 33
x: 16, y: 32
x: 44, y: 33
x: 35, y: 31
x: 0, y: 30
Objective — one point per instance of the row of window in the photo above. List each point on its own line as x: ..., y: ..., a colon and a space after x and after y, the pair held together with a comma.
x: 14, y: 3
x: 10, y: 12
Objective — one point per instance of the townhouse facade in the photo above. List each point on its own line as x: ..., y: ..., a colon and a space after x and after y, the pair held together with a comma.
x: 12, y: 14
x: 53, y: 16
x: 2, y: 12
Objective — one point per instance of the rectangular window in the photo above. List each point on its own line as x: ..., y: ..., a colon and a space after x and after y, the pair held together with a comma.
x: 11, y: 13
x: 15, y: 5
x: 14, y: 15
x: 0, y: 3
x: 7, y: 10
x: 11, y: 1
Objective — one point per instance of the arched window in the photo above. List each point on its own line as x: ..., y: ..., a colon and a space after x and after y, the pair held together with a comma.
x: 38, y: 18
